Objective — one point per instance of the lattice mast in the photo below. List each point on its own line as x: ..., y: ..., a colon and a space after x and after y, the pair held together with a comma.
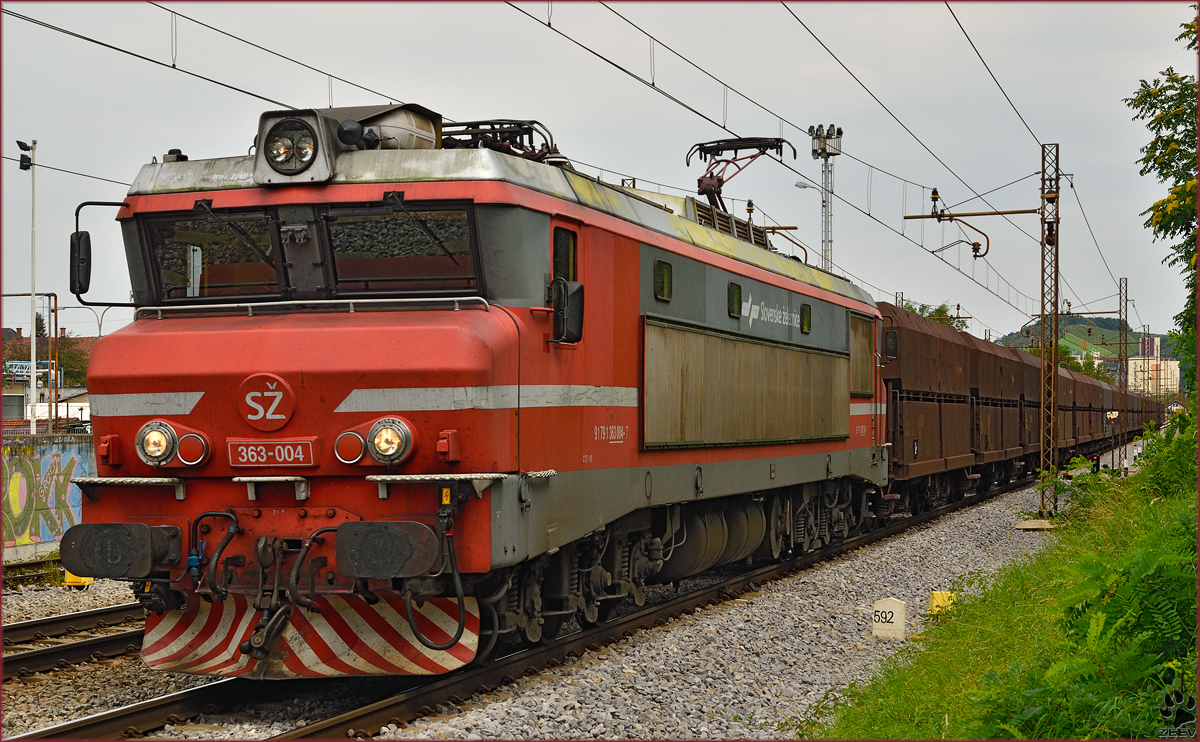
x: 1049, y: 330
x: 1123, y: 363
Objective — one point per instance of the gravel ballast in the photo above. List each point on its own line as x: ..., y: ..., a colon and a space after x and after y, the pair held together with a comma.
x: 82, y: 690
x: 27, y: 603
x: 738, y: 669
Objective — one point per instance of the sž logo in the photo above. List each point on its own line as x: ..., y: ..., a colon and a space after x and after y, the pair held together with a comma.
x: 265, y: 401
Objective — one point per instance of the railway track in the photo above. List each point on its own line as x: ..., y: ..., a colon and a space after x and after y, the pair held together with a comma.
x: 33, y: 571
x: 414, y: 702
x: 70, y: 638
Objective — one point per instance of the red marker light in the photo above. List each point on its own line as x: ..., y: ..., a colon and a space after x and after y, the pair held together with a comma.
x: 349, y: 447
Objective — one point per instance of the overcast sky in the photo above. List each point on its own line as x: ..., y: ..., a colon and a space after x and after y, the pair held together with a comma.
x: 1065, y: 66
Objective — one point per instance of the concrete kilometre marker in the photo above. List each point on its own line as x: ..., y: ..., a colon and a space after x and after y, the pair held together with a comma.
x: 888, y: 618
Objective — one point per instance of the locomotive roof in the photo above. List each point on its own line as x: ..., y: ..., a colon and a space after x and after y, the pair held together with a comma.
x: 373, y: 166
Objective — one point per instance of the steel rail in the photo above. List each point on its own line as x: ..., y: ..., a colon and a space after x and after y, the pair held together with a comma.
x: 61, y: 655
x: 139, y: 718
x: 65, y: 623
x: 410, y: 704
x: 454, y: 687
x: 48, y: 568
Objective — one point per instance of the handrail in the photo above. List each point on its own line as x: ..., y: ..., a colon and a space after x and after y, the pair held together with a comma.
x: 308, y: 302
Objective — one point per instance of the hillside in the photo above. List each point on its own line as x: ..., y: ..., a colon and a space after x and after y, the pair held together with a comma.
x: 1105, y: 332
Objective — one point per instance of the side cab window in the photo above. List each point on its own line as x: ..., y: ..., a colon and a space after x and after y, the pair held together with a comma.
x: 564, y: 294
x: 565, y: 256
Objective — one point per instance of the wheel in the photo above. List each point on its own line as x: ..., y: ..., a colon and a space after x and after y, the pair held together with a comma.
x: 487, y: 646
x: 550, y: 628
x: 602, y: 612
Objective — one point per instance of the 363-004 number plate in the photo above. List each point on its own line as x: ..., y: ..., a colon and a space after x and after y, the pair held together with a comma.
x: 271, y: 453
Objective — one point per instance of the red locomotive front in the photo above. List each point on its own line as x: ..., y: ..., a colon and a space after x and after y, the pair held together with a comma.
x: 367, y: 419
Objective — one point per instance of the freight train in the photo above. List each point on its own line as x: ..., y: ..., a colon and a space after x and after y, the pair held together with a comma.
x: 397, y: 387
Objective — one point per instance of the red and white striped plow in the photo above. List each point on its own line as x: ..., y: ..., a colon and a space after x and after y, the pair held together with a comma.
x: 347, y: 637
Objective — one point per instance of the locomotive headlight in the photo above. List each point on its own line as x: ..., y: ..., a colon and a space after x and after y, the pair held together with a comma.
x: 390, y: 440
x: 156, y: 443
x: 290, y: 146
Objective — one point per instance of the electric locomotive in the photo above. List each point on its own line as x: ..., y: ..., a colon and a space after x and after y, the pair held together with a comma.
x: 396, y: 387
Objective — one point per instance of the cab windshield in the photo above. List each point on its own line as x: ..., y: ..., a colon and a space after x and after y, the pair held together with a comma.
x: 398, y: 248
x: 213, y: 256
x: 413, y: 248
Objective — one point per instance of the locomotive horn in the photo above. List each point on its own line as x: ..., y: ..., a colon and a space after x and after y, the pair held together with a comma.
x: 350, y: 132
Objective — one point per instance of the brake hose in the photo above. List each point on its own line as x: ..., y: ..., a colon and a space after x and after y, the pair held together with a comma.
x: 294, y: 579
x: 462, y: 606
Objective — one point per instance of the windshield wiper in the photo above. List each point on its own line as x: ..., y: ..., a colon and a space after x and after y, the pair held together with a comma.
x: 399, y: 201
x: 237, y: 232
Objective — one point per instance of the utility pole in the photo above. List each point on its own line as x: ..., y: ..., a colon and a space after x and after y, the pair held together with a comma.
x: 1048, y: 501
x: 826, y: 143
x: 1123, y: 362
x: 27, y: 163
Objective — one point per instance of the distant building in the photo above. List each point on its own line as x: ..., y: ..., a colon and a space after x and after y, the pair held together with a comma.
x: 1154, y: 376
x: 1151, y: 347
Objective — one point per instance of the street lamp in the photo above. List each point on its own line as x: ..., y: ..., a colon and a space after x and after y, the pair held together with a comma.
x: 826, y: 255
x: 27, y: 163
x: 826, y: 143
x: 99, y: 318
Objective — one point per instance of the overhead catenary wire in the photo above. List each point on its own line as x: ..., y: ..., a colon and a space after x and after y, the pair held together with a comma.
x: 69, y: 172
x: 142, y: 57
x: 1089, y: 228
x: 655, y: 40
x: 878, y: 289
x: 993, y: 74
x: 277, y: 54
x: 1036, y: 139
x: 275, y: 102
x: 997, y: 188
x: 923, y: 145
x: 659, y: 89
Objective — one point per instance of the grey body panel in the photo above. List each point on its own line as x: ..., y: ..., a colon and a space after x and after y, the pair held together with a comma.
x: 570, y: 505
x: 700, y: 298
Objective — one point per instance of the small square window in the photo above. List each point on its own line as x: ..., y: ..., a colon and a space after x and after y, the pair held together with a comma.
x: 805, y: 318
x: 735, y: 299
x: 662, y: 280
x: 564, y: 254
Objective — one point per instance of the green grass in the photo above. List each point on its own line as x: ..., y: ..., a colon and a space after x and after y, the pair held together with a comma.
x: 1026, y: 653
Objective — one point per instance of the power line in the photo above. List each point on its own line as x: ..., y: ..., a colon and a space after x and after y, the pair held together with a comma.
x: 70, y: 172
x: 97, y: 42
x: 914, y: 136
x: 277, y: 54
x: 1035, y: 137
x: 747, y: 98
x: 902, y: 124
x: 1089, y: 227
x: 989, y: 70
x: 881, y: 103
x: 997, y: 188
x: 851, y: 204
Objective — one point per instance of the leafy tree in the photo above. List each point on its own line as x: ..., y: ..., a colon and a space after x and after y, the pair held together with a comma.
x: 940, y: 313
x: 72, y: 359
x: 1067, y: 360
x: 1168, y: 106
x: 39, y: 325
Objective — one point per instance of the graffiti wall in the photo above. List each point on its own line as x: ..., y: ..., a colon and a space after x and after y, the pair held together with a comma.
x: 40, y: 503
